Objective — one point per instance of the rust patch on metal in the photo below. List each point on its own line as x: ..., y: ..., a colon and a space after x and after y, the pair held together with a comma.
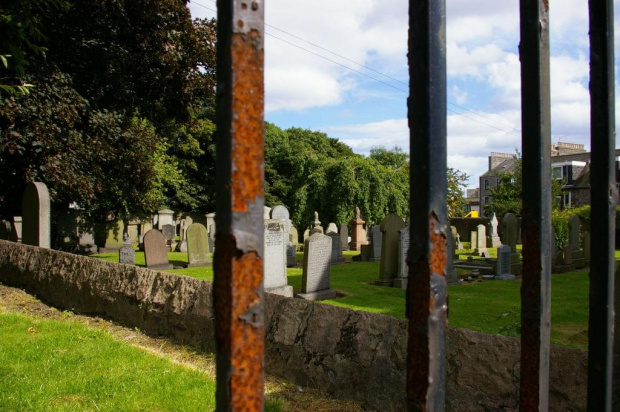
x: 247, y: 120
x: 240, y: 324
x: 439, y: 247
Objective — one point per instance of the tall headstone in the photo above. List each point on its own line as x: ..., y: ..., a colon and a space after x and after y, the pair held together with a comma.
x: 210, y: 225
x: 390, y: 225
x: 197, y: 245
x: 165, y: 217
x: 403, y: 269
x: 316, y: 224
x: 344, y: 237
x: 481, y: 247
x: 358, y: 234
x: 316, y: 275
x: 182, y: 245
x: 17, y: 229
x: 376, y: 240
x: 155, y: 250
x: 280, y: 212
x: 453, y: 238
x: 336, y: 249
x: 127, y: 254
x: 502, y: 270
x: 510, y: 230
x: 452, y: 276
x: 494, y: 240
x: 473, y: 239
x: 332, y: 228
x: 36, y: 215
x: 275, y: 258
x: 293, y: 235
x: 306, y: 234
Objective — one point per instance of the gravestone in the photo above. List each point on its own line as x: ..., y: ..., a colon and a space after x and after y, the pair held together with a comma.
x: 155, y: 250
x: 365, y: 252
x: 281, y: 213
x: 182, y: 245
x: 165, y: 217
x: 211, y: 227
x: 494, y: 240
x: 452, y: 276
x: 114, y: 231
x: 390, y: 225
x: 275, y: 259
x: 306, y: 234
x: 169, y: 233
x: 376, y: 240
x: 17, y: 229
x: 473, y: 239
x: 336, y: 249
x: 197, y: 246
x: 459, y: 244
x: 358, y: 234
x: 344, y: 237
x: 453, y: 238
x: 293, y: 235
x: 481, y: 246
x: 291, y: 259
x: 332, y: 228
x: 316, y: 224
x: 266, y: 212
x: 403, y: 268
x: 502, y: 270
x: 36, y: 215
x: 509, y: 231
x: 127, y: 254
x: 316, y: 282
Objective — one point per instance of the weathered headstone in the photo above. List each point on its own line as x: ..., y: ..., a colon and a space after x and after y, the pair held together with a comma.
x: 127, y: 254
x: 390, y: 225
x: 211, y: 227
x: 280, y: 212
x: 197, y: 245
x: 316, y: 282
x: 473, y: 239
x: 332, y: 228
x: 494, y: 240
x: 502, y: 270
x: 344, y: 237
x: 376, y: 240
x: 165, y: 217
x: 293, y: 235
x: 509, y: 231
x: 266, y: 212
x: 275, y: 258
x: 306, y: 234
x: 17, y: 229
x: 453, y: 238
x: 182, y: 245
x: 168, y: 232
x: 291, y: 258
x: 155, y: 250
x: 316, y: 224
x: 481, y: 247
x: 403, y: 269
x: 36, y: 215
x: 358, y: 234
x: 336, y: 249
x: 452, y: 276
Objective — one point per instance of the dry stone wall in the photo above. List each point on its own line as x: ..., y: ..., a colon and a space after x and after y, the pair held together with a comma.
x: 350, y: 354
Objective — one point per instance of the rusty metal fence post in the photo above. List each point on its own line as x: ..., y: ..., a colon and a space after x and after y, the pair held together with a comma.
x: 536, y: 220
x: 238, y: 262
x: 603, y: 205
x: 427, y: 257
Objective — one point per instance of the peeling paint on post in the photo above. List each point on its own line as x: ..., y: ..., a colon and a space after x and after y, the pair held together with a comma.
x: 536, y: 221
x: 238, y: 262
x: 427, y: 256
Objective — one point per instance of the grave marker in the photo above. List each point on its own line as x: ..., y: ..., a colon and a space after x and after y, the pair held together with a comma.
x: 344, y: 237
x: 376, y: 240
x: 403, y: 268
x: 127, y: 254
x: 481, y: 246
x: 155, y: 250
x: 503, y: 268
x: 332, y: 228
x: 316, y: 282
x: 494, y: 240
x: 336, y: 249
x: 197, y: 246
x: 389, y: 227
x: 275, y: 259
x: 36, y: 215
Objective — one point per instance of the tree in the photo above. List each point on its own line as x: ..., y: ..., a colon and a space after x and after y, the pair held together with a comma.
x: 456, y: 183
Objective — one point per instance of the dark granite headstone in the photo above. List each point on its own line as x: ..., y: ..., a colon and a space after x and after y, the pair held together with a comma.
x: 388, y: 270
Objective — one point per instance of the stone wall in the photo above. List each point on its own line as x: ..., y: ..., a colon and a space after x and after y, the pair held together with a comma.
x: 352, y: 355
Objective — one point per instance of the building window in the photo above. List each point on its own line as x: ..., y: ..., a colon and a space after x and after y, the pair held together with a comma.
x: 566, y: 200
x: 486, y: 184
x: 486, y: 200
x: 557, y: 172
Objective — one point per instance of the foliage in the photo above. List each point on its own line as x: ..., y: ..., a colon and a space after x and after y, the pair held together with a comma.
x: 456, y: 183
x: 559, y: 221
x: 508, y: 194
x: 122, y: 118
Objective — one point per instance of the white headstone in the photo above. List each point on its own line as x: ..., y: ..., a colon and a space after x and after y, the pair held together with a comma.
x: 275, y: 259
x: 316, y: 276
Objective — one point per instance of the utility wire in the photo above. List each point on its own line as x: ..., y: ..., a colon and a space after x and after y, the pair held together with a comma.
x: 372, y: 70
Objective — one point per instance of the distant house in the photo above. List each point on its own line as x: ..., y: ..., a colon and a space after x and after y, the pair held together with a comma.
x: 570, y: 163
x: 472, y: 200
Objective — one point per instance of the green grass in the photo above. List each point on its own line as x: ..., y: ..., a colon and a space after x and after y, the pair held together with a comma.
x: 53, y: 365
x: 491, y: 307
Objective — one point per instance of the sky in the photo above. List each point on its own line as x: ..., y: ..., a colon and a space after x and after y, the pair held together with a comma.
x: 340, y: 67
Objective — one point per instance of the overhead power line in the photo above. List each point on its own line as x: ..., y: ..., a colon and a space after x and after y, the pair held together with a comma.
x: 515, y: 131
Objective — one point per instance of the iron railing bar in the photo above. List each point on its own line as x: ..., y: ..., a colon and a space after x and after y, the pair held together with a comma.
x: 603, y: 204
x: 536, y: 220
x: 238, y: 262
x: 427, y: 256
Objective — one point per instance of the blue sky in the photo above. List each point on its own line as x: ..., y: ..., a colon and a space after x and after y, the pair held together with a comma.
x: 308, y: 43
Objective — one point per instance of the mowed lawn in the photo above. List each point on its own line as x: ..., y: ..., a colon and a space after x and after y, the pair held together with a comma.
x: 491, y: 306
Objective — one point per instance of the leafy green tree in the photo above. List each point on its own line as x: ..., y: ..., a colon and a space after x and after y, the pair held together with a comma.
x: 455, y: 185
